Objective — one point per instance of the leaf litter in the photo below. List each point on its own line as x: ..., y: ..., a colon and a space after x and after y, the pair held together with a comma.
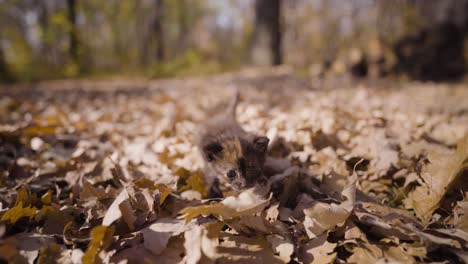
x: 100, y: 172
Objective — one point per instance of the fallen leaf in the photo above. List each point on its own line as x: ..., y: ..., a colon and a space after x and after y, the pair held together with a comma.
x: 128, y: 214
x: 317, y: 250
x: 89, y: 192
x: 49, y: 254
x: 322, y: 217
x: 157, y: 235
x: 239, y: 249
x: 194, y: 181
x: 18, y: 212
x: 101, y: 238
x: 281, y: 246
x: 114, y: 212
x: 437, y: 179
x: 163, y: 189
x: 461, y: 215
x: 247, y: 203
x: 201, y: 242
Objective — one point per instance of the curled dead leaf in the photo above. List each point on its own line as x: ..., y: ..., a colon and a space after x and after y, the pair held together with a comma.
x: 247, y: 203
x: 437, y: 178
x: 101, y: 238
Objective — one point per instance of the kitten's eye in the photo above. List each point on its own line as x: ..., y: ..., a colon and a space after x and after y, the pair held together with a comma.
x: 212, y: 151
x: 242, y: 165
x: 261, y: 143
x: 231, y: 174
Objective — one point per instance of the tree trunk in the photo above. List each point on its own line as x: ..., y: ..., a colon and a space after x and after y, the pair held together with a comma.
x: 159, y: 31
x: 71, y: 5
x: 267, y: 39
x: 183, y: 27
x: 5, y: 74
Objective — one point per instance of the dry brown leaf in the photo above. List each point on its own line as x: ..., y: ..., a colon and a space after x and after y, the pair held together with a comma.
x: 368, y: 254
x: 322, y: 217
x: 54, y: 219
x: 387, y: 255
x: 50, y: 254
x: 247, y: 203
x: 378, y: 147
x: 89, y: 192
x: 148, y: 184
x: 114, y: 212
x: 461, y: 215
x: 239, y: 249
x: 439, y: 240
x: 317, y: 250
x: 128, y: 214
x: 73, y: 159
x: 272, y: 213
x: 437, y: 180
x: 157, y: 235
x: 194, y: 181
x: 201, y: 242
x: 281, y: 246
x: 24, y: 246
x: 101, y: 238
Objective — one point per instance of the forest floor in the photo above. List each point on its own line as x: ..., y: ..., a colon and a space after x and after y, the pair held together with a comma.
x: 103, y: 171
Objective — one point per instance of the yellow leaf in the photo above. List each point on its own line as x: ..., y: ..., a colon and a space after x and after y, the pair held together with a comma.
x: 166, y: 158
x: 101, y: 238
x: 49, y: 254
x: 193, y: 181
x: 18, y: 212
x: 47, y: 198
x: 90, y: 192
x: 214, y: 209
x: 145, y: 183
x: 25, y: 198
x: 49, y: 120
x: 164, y: 192
x: 148, y: 184
x: 22, y: 196
x: 247, y: 203
x: 40, y: 130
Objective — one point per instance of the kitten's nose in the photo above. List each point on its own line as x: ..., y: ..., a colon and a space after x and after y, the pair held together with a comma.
x: 231, y: 174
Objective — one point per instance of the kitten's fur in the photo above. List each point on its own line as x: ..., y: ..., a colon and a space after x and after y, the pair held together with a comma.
x: 231, y: 155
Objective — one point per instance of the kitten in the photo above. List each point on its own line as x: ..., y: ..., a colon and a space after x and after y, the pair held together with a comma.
x: 231, y: 155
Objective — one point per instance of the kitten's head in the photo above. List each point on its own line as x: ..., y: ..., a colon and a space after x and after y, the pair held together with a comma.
x: 237, y: 161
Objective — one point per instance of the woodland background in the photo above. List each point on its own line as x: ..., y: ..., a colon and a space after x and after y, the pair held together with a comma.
x: 364, y: 103
x: 53, y: 39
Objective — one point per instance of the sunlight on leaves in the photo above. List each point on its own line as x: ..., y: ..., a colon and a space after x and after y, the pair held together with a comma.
x: 437, y: 179
x: 247, y: 203
x: 101, y: 238
x: 18, y: 212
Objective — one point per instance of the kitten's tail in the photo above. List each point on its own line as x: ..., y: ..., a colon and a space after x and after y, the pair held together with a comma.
x: 234, y: 101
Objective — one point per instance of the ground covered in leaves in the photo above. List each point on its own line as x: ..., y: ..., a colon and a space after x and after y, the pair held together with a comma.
x: 106, y: 171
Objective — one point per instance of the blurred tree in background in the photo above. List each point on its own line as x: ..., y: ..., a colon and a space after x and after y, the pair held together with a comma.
x: 44, y: 39
x: 266, y: 48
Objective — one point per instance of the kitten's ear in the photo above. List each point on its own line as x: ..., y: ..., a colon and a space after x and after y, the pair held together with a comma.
x: 261, y: 143
x: 212, y: 151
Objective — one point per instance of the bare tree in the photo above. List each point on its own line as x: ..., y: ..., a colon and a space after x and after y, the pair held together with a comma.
x: 73, y: 37
x: 158, y: 30
x: 5, y: 74
x: 267, y: 34
x: 183, y: 26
